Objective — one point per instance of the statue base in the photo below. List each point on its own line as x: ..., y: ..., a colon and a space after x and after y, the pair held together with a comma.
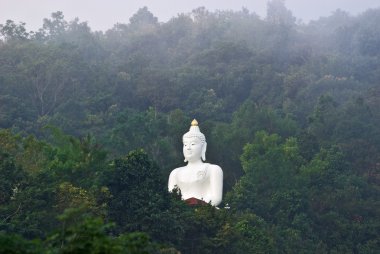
x: 195, y: 202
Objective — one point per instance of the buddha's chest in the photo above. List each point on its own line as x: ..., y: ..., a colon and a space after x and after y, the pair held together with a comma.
x: 194, y: 174
x: 194, y: 183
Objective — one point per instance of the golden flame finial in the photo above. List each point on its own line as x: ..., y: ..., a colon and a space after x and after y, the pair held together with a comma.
x: 194, y: 123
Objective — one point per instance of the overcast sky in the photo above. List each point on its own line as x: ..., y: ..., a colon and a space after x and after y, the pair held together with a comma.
x: 103, y: 14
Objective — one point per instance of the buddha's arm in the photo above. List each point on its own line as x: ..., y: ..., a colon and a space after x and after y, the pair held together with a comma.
x: 172, y: 180
x: 216, y: 184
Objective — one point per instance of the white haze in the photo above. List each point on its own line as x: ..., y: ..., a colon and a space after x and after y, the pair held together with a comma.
x: 102, y: 15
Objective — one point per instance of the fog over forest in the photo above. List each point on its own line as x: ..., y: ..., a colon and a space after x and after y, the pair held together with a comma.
x: 102, y: 15
x: 91, y: 125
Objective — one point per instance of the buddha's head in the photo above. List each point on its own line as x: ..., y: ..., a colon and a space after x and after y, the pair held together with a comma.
x: 194, y: 143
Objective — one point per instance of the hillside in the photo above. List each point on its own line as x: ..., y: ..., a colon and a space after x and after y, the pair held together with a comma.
x: 91, y: 125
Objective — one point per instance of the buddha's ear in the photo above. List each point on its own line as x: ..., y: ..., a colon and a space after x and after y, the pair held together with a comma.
x: 204, y: 148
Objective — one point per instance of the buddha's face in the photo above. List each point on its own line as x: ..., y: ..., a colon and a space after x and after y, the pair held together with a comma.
x: 192, y: 148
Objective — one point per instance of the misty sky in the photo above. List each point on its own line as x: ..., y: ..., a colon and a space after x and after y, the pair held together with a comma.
x: 103, y: 14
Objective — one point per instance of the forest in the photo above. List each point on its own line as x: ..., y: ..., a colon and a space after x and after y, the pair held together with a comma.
x: 91, y: 125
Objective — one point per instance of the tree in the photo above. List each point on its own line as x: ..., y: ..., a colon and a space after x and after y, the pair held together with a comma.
x: 11, y: 179
x: 270, y: 168
x: 55, y: 27
x: 143, y: 17
x: 74, y: 160
x: 368, y: 34
x: 15, y: 244
x: 91, y: 235
x: 143, y: 22
x: 140, y: 199
x: 280, y: 33
x: 50, y: 75
x: 278, y: 14
x: 339, y: 202
x: 322, y: 122
x: 12, y: 32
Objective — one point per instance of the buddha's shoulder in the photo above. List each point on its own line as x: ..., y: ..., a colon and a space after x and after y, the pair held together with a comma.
x: 176, y: 170
x: 213, y: 167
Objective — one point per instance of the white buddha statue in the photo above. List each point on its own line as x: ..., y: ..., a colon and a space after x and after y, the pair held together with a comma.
x: 203, y: 181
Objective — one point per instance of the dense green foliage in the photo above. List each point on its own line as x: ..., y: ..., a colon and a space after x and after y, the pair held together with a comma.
x: 91, y: 126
